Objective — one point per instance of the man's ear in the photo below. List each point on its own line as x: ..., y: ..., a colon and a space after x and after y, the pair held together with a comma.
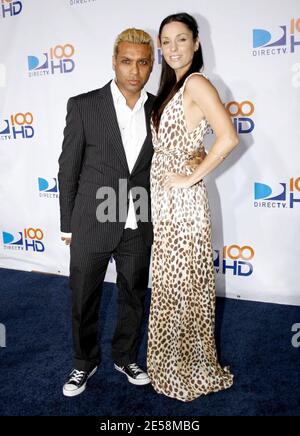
x: 114, y: 62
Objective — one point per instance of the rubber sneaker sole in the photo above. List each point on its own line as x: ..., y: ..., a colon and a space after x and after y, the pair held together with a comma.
x: 137, y: 382
x: 78, y: 391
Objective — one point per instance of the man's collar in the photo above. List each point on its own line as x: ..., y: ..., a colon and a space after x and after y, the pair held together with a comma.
x: 119, y: 97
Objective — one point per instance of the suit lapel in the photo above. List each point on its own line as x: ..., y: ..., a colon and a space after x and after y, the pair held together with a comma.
x: 146, y: 147
x: 110, y: 117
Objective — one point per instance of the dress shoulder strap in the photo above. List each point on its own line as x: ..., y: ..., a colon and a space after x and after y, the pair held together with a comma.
x: 193, y: 74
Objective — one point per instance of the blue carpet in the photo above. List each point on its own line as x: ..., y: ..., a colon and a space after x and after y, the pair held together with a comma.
x: 255, y: 340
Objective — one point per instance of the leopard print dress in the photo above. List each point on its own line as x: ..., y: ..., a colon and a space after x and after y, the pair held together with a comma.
x: 182, y: 361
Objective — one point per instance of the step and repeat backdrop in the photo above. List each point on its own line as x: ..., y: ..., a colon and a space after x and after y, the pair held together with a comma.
x: 53, y: 49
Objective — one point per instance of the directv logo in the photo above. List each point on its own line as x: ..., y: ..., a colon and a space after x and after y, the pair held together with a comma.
x: 17, y: 126
x: 262, y: 41
x: 13, y: 241
x: 278, y: 42
x: 234, y: 260
x: 48, y: 187
x: 283, y: 198
x: 28, y: 240
x: 57, y: 60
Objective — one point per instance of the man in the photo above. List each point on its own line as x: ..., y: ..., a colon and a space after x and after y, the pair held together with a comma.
x: 107, y: 143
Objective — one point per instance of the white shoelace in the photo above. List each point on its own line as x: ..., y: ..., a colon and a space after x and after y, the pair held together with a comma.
x: 134, y: 368
x: 77, y: 376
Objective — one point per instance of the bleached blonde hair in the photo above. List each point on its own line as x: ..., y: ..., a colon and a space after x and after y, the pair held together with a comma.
x: 135, y: 36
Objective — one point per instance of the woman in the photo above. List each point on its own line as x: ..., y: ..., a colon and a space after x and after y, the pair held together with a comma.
x: 182, y: 361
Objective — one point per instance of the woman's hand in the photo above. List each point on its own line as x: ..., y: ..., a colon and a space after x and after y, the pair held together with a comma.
x: 173, y: 180
x: 196, y: 159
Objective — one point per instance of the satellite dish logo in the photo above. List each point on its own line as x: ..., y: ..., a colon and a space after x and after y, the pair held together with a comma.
x: 48, y: 187
x: 283, y: 196
x: 17, y: 126
x: 28, y: 240
x: 13, y: 239
x: 282, y: 40
x: 57, y: 60
x: 263, y: 38
x: 10, y: 8
x: 234, y: 259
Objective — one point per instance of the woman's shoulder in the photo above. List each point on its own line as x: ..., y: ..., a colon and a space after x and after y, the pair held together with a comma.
x: 197, y: 83
x: 196, y: 79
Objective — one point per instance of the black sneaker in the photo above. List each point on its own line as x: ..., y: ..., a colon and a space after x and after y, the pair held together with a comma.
x: 76, y: 383
x: 135, y: 375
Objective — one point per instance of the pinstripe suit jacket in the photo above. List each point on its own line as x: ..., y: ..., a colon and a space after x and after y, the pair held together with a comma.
x: 93, y: 156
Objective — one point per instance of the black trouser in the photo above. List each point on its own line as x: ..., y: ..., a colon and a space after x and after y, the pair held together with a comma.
x: 87, y: 272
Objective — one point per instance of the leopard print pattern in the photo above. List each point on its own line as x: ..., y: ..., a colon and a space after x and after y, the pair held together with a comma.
x: 182, y: 361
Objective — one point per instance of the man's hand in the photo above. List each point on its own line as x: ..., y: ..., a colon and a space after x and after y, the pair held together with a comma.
x: 67, y: 241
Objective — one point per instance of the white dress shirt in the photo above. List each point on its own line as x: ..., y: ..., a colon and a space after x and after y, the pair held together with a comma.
x: 132, y: 124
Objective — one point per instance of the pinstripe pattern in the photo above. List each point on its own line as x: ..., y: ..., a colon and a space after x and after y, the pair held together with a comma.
x: 87, y: 272
x: 93, y: 156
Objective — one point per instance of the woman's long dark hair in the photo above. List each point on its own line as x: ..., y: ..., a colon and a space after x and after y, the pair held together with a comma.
x: 168, y: 85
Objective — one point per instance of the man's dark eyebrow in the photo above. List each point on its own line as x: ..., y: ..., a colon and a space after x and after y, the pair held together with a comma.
x: 140, y: 59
